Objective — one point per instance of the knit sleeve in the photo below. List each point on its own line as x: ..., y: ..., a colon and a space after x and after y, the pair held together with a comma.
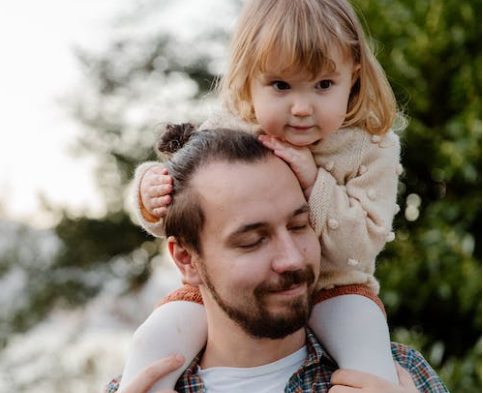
x: 223, y: 118
x: 353, y: 217
x: 150, y: 224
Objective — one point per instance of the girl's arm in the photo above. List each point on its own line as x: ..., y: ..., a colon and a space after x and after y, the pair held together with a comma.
x: 353, y: 215
x: 150, y: 223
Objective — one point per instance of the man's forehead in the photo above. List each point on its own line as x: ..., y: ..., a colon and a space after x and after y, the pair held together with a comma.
x: 224, y: 176
x: 232, y: 193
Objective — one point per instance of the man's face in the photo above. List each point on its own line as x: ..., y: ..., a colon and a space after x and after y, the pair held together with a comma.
x: 260, y: 256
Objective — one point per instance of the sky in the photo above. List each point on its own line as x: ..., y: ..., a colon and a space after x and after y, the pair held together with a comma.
x: 37, y: 69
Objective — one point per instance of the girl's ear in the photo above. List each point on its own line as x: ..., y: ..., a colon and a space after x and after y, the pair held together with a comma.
x: 185, y: 261
x: 356, y: 71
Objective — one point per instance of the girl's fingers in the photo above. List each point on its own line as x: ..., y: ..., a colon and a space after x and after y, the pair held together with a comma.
x: 405, y: 378
x: 273, y: 143
x: 154, y: 180
x: 352, y: 378
x: 347, y: 381
x: 162, y: 190
x: 159, y: 212
x: 159, y: 169
x: 148, y: 377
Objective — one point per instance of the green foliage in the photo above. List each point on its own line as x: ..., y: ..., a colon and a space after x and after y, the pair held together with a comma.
x: 431, y: 274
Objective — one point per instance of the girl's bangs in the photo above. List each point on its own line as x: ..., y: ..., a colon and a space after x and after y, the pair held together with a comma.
x: 282, y: 53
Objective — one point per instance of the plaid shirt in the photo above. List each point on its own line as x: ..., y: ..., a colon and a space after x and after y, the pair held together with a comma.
x: 314, y: 375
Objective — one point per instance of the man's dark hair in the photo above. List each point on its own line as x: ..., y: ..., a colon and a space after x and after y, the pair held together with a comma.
x: 190, y: 150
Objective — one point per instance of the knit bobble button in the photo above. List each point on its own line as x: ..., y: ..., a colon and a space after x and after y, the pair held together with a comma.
x: 352, y: 262
x: 333, y: 223
x: 390, y: 237
x: 371, y: 194
x: 329, y: 166
x: 399, y: 169
x: 375, y: 139
x: 362, y: 169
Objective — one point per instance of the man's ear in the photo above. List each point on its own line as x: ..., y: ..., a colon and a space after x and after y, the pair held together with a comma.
x: 185, y: 261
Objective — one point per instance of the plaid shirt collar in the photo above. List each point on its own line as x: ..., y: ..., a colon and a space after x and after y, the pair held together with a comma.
x: 313, y: 376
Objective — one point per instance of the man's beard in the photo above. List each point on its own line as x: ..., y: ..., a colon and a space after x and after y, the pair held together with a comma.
x: 253, y: 315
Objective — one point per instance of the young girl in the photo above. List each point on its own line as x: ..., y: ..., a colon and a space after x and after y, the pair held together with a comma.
x: 301, y: 75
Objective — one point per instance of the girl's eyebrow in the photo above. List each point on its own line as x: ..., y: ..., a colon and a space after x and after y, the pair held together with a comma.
x: 269, y: 77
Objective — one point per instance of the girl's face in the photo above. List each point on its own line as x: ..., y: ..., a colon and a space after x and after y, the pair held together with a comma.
x: 299, y: 109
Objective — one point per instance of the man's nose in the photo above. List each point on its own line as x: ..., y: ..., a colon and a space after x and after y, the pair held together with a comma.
x: 288, y: 255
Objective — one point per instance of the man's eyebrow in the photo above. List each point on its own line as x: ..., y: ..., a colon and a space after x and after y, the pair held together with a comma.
x: 246, y: 228
x: 301, y: 210
x: 260, y: 225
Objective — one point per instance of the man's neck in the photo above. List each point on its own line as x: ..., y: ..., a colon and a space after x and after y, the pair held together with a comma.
x: 231, y: 346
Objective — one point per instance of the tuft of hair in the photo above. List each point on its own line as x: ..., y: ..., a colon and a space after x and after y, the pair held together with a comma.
x: 174, y: 137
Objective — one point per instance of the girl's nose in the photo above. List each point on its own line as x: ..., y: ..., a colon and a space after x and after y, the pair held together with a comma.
x: 302, y: 107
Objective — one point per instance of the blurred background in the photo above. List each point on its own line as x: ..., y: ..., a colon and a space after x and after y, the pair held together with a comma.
x: 83, y: 86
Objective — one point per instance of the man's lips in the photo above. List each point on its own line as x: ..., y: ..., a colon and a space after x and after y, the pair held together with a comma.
x: 292, y: 290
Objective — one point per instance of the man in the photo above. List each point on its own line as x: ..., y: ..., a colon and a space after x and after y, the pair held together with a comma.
x: 238, y: 228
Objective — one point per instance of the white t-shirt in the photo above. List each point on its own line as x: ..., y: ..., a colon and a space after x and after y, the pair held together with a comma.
x: 269, y: 378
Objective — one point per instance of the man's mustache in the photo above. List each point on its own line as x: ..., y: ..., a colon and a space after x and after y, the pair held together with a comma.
x: 287, y: 280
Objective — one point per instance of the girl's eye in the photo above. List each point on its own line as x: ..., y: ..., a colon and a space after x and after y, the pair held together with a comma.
x: 280, y: 85
x: 324, y: 85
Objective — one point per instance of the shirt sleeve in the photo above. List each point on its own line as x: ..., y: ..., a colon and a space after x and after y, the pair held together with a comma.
x: 353, y: 216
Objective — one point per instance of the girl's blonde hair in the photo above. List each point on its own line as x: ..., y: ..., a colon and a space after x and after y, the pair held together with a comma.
x: 303, y: 33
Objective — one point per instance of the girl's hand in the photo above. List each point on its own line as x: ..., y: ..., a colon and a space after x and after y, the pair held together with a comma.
x: 155, y: 187
x: 299, y: 158
x: 147, y: 378
x: 351, y: 381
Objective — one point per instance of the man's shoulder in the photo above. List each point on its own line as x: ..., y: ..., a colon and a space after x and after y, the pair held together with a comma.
x: 423, y: 375
x: 404, y: 354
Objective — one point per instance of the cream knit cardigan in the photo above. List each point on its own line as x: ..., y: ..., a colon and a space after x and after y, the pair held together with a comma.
x: 352, y: 203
